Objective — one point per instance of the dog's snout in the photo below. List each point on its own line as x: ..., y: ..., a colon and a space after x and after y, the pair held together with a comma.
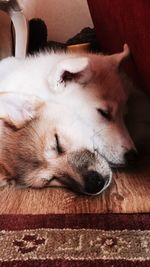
x: 131, y: 157
x: 94, y: 182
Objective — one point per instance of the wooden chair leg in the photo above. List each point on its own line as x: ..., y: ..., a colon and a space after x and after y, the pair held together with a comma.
x: 21, y: 33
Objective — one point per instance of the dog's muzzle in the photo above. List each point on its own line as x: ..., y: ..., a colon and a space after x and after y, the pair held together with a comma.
x: 95, y: 183
x: 93, y: 180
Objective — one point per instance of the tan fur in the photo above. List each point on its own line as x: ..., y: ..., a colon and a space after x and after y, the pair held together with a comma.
x: 23, y: 158
x: 53, y: 123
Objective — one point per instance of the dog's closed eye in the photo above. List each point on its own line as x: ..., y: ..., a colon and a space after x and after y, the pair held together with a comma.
x: 59, y: 148
x: 105, y: 113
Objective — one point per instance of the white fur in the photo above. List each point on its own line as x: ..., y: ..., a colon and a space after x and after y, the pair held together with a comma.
x: 71, y: 105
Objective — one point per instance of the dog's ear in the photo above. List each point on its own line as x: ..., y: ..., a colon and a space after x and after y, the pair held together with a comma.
x: 118, y: 58
x: 70, y: 70
x: 18, y: 109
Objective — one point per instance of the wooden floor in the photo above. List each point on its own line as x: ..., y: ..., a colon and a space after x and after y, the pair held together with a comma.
x: 129, y: 192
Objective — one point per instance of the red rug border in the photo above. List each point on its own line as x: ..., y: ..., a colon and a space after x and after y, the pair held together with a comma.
x: 71, y: 263
x: 76, y: 221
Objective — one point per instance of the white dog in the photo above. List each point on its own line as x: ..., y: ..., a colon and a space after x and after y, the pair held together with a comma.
x: 60, y: 112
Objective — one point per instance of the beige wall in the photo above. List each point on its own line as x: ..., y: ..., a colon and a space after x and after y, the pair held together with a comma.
x: 64, y: 18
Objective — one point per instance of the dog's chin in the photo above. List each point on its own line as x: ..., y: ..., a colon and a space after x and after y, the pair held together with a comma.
x: 114, y: 165
x: 117, y: 165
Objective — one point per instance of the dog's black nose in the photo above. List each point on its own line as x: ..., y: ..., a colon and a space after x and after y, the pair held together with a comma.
x: 94, y: 182
x: 131, y: 157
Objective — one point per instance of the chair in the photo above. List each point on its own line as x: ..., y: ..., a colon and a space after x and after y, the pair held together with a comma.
x: 12, y: 8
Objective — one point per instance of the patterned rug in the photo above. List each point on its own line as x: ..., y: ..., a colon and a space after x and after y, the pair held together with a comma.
x: 82, y: 240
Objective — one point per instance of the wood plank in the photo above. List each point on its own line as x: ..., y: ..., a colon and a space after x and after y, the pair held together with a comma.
x: 129, y: 192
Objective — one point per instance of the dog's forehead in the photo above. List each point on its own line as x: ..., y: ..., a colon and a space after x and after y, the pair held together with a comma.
x: 111, y: 88
x: 108, y: 78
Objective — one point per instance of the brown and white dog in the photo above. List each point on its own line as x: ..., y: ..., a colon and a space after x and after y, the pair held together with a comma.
x: 61, y: 115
